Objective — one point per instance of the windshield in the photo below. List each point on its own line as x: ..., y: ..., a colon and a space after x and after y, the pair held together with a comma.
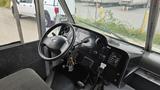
x: 120, y: 19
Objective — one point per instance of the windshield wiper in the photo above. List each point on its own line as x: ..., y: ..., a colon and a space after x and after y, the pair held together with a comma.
x: 122, y: 39
x: 108, y: 31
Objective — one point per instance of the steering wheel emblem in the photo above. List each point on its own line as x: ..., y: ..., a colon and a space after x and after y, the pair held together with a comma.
x: 53, y: 40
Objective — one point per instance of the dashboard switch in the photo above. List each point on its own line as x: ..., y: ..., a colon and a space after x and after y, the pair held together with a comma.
x: 103, y: 65
x: 101, y: 56
x: 95, y: 52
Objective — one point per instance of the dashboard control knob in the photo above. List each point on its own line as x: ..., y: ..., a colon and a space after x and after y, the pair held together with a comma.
x: 118, y: 74
x: 108, y: 47
x: 103, y: 49
x: 95, y: 52
x: 101, y: 56
x: 115, y: 80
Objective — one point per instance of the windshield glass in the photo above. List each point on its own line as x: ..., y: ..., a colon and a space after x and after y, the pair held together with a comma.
x: 127, y: 19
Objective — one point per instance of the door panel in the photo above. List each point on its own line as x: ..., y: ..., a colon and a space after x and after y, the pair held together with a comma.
x: 20, y: 57
x: 140, y: 83
x: 151, y: 62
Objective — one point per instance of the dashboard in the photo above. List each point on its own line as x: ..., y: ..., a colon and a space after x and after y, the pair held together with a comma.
x: 100, y: 49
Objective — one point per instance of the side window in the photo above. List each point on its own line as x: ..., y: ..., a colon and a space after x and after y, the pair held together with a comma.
x: 8, y: 26
x: 156, y: 39
x: 26, y: 1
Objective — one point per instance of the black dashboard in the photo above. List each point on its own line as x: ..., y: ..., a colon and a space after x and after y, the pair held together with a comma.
x: 101, y: 49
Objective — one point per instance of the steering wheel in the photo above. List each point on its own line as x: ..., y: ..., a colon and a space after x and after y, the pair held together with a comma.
x: 57, y: 44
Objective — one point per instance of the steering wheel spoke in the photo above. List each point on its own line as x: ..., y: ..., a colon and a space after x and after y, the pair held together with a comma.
x: 47, y: 41
x: 64, y: 47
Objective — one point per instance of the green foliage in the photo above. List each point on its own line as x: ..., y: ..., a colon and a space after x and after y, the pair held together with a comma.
x: 5, y: 3
x: 157, y: 39
x: 114, y: 25
x: 2, y: 3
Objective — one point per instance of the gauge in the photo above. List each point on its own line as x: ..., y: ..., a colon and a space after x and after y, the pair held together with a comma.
x: 114, y: 59
x: 99, y: 42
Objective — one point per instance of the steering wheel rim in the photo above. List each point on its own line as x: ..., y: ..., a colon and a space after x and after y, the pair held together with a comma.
x: 41, y: 44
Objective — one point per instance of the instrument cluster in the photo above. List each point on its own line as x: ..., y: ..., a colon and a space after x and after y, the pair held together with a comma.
x: 114, y: 59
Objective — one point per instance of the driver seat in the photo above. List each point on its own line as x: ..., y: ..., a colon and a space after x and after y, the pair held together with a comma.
x: 25, y: 79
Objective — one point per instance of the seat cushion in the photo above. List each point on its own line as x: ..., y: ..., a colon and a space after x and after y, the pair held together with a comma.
x: 25, y: 79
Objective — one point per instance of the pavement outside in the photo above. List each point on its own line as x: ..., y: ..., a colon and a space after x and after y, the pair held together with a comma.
x: 9, y: 31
